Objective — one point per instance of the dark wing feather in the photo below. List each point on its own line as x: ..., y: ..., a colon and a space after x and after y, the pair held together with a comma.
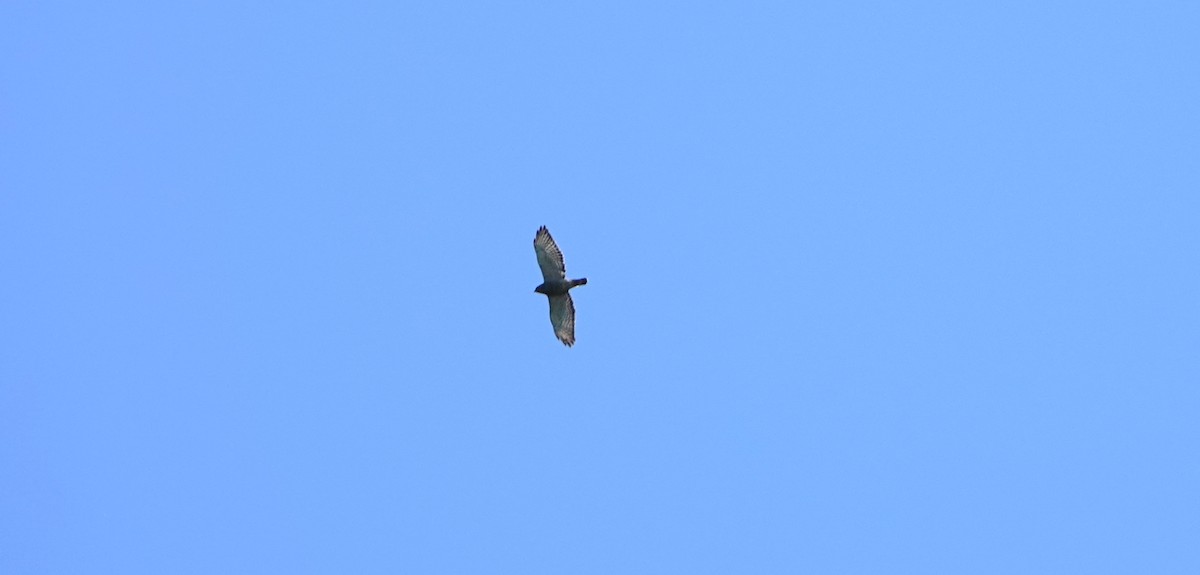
x: 549, y: 257
x: 562, y: 318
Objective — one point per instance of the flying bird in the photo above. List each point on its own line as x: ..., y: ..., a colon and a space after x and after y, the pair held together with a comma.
x: 556, y: 286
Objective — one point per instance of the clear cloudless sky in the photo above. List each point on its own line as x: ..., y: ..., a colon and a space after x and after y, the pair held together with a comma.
x: 875, y: 287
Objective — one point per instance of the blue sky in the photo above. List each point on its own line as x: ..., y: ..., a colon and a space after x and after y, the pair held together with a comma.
x: 874, y: 287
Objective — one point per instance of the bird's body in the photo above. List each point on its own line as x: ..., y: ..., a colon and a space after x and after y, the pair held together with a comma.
x: 559, y: 287
x: 556, y: 286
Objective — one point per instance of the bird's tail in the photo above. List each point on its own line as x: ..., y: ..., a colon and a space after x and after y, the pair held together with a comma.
x: 579, y: 282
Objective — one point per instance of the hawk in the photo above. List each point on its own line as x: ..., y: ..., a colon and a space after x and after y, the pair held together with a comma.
x: 556, y: 286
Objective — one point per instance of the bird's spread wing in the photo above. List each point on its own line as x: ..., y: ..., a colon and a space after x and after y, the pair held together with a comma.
x: 550, y: 258
x: 562, y: 317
